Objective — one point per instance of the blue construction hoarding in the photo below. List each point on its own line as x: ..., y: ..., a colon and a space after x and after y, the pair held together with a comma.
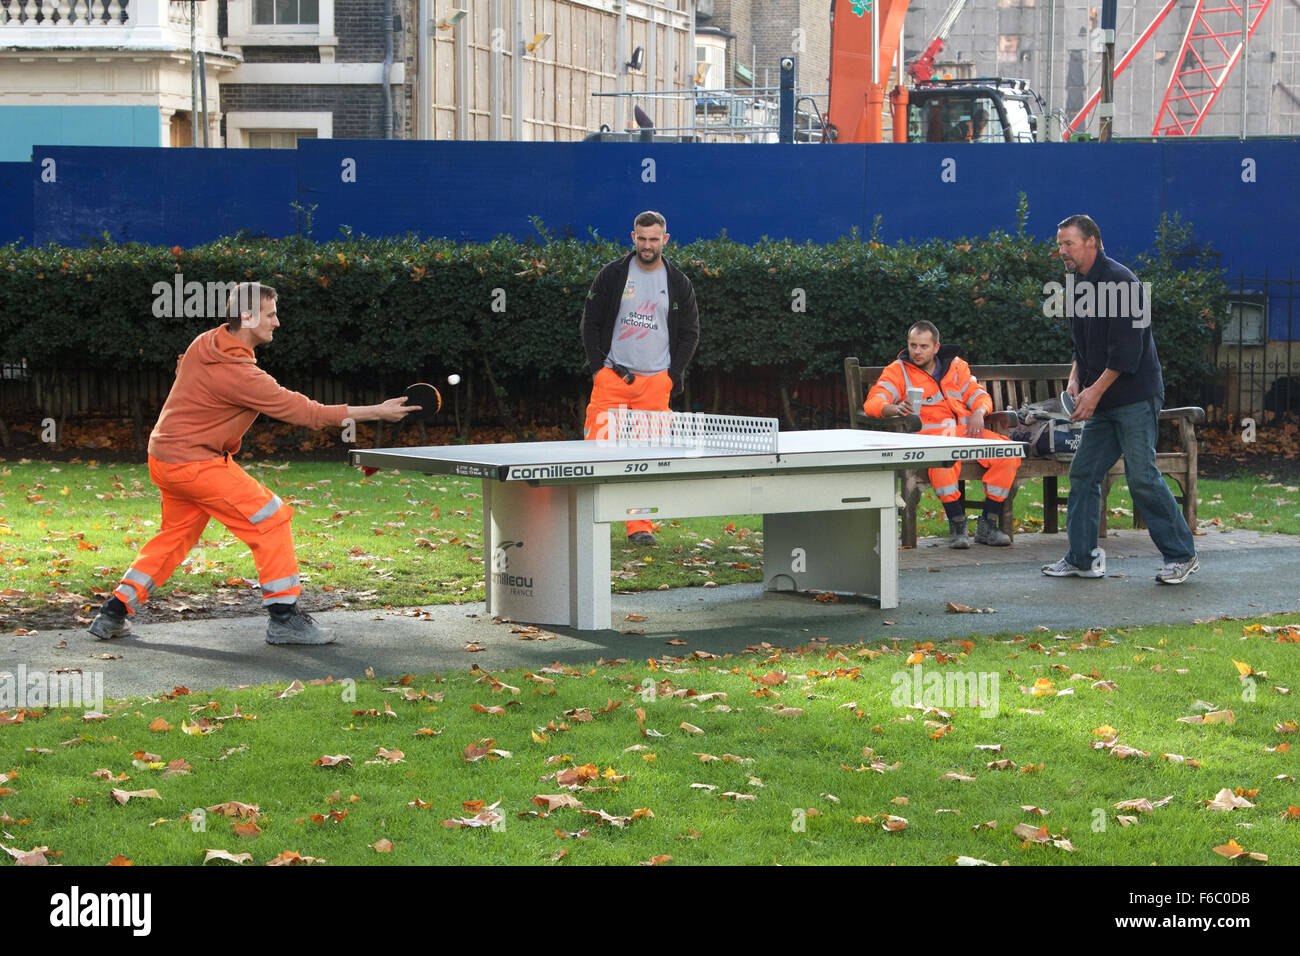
x: 1241, y: 197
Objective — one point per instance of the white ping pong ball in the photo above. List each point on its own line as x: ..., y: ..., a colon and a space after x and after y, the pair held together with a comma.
x: 453, y: 379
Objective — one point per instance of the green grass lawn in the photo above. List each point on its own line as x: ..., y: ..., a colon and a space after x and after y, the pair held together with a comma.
x: 395, y: 539
x: 68, y: 530
x: 799, y: 757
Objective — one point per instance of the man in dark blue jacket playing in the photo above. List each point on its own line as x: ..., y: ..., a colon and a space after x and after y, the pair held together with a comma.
x: 1118, y: 390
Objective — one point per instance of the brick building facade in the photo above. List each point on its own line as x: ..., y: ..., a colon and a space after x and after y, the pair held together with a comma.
x: 318, y: 79
x: 765, y: 31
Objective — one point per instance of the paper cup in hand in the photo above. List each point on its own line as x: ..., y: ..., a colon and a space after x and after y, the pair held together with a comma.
x: 914, y: 399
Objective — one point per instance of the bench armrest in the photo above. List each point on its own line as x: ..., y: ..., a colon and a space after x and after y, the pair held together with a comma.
x: 1191, y: 414
x: 910, y: 424
x: 899, y: 423
x: 1002, y: 421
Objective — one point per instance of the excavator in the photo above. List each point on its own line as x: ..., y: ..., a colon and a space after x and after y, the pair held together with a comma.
x: 991, y: 109
x: 930, y: 110
x: 978, y: 110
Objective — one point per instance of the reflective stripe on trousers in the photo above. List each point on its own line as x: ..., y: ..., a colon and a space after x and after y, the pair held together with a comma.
x: 192, y: 494
x: 129, y: 588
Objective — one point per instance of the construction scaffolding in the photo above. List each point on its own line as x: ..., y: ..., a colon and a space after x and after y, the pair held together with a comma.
x: 1058, y: 48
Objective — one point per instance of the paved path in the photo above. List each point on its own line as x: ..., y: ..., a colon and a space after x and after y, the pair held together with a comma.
x: 1243, y: 574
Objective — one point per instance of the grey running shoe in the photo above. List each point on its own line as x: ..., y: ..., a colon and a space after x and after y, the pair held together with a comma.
x: 1064, y: 569
x: 296, y: 628
x: 958, y: 536
x: 988, y: 532
x: 1176, y: 572
x: 644, y: 538
x: 107, y: 626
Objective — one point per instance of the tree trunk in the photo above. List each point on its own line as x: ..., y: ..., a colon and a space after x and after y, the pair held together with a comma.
x: 379, y: 423
x: 578, y: 413
x: 64, y: 400
x: 133, y: 388
x: 503, y: 407
x: 785, y: 407
x: 463, y: 423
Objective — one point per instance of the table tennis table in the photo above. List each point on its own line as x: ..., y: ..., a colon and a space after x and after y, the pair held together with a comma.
x: 827, y: 499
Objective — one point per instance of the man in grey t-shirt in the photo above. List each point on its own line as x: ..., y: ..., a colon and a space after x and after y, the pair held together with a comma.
x: 640, y: 327
x: 640, y: 341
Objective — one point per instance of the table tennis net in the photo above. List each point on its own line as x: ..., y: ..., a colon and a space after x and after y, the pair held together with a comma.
x: 634, y: 428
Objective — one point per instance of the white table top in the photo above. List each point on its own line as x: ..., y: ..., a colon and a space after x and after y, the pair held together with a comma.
x: 558, y: 461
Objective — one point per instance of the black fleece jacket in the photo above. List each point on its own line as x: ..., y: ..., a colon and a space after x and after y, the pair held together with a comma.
x: 1120, y: 341
x: 601, y: 313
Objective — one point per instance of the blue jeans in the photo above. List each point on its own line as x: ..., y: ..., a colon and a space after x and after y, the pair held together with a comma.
x: 1128, y: 430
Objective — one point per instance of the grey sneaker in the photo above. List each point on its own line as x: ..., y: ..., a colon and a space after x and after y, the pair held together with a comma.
x: 988, y: 532
x: 1064, y: 569
x: 958, y: 536
x: 296, y: 628
x: 644, y: 538
x: 107, y: 626
x: 1176, y: 572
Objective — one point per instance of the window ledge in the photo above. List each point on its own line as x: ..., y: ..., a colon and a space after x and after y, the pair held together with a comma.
x: 282, y: 39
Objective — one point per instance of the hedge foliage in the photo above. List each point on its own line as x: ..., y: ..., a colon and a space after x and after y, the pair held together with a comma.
x: 382, y: 311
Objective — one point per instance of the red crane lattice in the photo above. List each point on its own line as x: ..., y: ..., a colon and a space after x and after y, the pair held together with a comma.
x: 1211, y: 48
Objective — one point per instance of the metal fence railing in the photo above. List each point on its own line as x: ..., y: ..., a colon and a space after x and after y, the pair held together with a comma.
x: 1256, y: 352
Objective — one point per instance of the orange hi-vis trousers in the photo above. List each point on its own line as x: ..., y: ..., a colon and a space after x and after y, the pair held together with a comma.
x: 217, y: 488
x: 999, y: 476
x: 648, y: 393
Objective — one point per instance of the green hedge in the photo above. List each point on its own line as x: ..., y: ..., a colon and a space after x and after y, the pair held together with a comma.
x: 381, y: 310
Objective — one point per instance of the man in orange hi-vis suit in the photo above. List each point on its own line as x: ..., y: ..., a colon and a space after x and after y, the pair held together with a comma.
x: 218, y: 392
x: 952, y: 403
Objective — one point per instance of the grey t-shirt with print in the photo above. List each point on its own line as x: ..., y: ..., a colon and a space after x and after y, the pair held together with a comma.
x: 641, y: 332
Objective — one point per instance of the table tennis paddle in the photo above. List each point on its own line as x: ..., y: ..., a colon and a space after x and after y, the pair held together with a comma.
x: 427, y: 397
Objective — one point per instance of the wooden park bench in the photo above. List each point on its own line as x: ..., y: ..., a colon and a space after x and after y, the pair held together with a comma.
x: 1011, y: 387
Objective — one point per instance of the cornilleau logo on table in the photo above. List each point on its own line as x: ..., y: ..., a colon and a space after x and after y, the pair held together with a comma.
x: 552, y: 471
x: 1007, y: 450
x: 501, y: 556
x: 519, y: 584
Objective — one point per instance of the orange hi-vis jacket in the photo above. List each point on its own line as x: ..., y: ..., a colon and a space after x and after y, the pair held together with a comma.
x: 218, y: 391
x: 948, y: 398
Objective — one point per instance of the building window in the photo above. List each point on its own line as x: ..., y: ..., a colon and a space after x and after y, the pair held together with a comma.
x: 710, y: 64
x: 277, y: 138
x: 1247, y: 321
x: 272, y: 129
x: 285, y: 12
x: 1009, y: 48
x: 282, y: 23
